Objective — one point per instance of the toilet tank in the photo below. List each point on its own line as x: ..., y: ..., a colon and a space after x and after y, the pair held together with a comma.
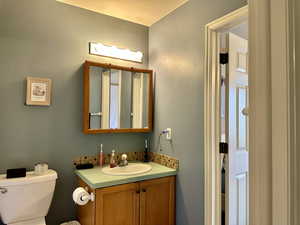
x: 26, y: 198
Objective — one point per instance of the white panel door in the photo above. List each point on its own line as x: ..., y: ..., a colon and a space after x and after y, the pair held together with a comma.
x: 237, y: 179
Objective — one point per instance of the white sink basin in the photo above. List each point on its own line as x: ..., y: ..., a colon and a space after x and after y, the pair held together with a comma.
x: 130, y: 169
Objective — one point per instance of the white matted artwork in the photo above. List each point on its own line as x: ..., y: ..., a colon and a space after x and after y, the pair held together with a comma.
x: 38, y: 91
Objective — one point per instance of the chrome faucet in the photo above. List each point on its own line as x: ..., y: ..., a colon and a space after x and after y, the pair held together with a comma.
x: 123, y: 161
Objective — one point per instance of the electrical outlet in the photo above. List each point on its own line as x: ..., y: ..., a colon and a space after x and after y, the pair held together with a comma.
x: 169, y: 134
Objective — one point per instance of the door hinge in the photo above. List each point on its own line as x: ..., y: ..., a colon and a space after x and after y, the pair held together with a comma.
x: 224, y: 58
x: 223, y: 148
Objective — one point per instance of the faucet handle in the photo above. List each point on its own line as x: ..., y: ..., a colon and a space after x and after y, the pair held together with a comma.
x: 124, y: 157
x: 124, y: 161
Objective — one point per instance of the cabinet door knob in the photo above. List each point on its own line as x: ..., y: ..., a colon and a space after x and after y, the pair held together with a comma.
x: 144, y: 190
x: 138, y: 192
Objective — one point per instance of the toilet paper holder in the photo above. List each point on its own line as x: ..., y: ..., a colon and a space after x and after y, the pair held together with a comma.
x: 91, y: 195
x: 82, y: 196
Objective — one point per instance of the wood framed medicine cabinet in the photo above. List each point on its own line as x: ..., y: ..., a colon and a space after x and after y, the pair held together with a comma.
x: 117, y: 99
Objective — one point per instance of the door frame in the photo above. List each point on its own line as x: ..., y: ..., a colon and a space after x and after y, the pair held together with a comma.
x: 272, y: 104
x: 212, y: 113
x: 284, y: 179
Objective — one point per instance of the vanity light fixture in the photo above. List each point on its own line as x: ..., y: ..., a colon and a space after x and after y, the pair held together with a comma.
x: 114, y: 52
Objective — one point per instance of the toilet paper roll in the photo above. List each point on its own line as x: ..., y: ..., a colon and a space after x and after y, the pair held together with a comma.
x: 81, y: 196
x: 71, y: 223
x: 74, y: 223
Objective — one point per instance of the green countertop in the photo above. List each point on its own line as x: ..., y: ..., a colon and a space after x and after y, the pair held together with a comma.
x: 96, y: 179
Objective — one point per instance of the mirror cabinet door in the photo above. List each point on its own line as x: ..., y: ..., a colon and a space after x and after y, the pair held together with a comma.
x: 119, y: 100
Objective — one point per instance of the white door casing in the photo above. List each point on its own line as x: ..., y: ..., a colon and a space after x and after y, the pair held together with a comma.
x: 212, y: 113
x: 237, y: 179
x: 271, y: 151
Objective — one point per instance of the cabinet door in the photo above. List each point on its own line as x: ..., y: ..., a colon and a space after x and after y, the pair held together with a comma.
x: 157, y: 203
x: 118, y: 205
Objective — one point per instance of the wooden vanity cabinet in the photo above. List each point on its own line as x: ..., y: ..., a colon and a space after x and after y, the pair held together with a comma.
x: 117, y: 205
x: 157, y: 201
x: 150, y: 202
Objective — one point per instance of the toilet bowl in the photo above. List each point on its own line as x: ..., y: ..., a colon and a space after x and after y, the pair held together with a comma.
x: 26, y: 201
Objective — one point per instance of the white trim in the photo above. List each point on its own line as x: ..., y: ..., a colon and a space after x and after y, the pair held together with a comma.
x: 293, y: 156
x: 280, y: 113
x: 282, y: 39
x: 260, y: 113
x: 212, y: 114
x: 271, y: 115
x: 272, y: 106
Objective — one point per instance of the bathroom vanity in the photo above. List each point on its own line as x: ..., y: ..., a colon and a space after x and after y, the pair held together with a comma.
x: 143, y: 199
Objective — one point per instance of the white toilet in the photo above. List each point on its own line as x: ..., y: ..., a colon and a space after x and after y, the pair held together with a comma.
x: 26, y: 201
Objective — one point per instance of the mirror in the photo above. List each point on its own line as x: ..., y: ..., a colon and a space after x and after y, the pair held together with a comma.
x: 116, y: 99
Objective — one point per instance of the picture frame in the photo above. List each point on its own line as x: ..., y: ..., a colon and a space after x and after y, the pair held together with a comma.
x: 38, y: 91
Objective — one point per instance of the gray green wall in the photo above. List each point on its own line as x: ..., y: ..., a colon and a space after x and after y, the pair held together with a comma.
x: 176, y: 53
x: 50, y: 39
x: 45, y: 38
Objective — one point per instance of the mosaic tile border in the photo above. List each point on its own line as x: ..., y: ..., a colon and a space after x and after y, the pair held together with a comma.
x: 162, y: 159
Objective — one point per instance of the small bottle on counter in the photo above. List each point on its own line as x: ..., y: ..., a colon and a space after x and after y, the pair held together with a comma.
x: 101, y: 156
x: 112, y: 163
x: 146, y: 152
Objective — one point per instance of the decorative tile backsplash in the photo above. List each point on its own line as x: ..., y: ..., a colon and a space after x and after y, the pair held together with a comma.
x: 164, y: 160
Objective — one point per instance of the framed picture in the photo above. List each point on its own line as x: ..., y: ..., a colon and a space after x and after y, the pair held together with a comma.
x: 38, y: 91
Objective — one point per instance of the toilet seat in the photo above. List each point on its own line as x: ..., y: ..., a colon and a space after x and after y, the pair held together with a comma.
x: 38, y: 221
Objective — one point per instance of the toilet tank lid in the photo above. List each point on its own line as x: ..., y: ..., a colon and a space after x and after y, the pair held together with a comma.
x: 30, y: 178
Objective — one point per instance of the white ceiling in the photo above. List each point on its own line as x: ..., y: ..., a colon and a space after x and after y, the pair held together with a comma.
x: 145, y: 12
x: 241, y: 30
